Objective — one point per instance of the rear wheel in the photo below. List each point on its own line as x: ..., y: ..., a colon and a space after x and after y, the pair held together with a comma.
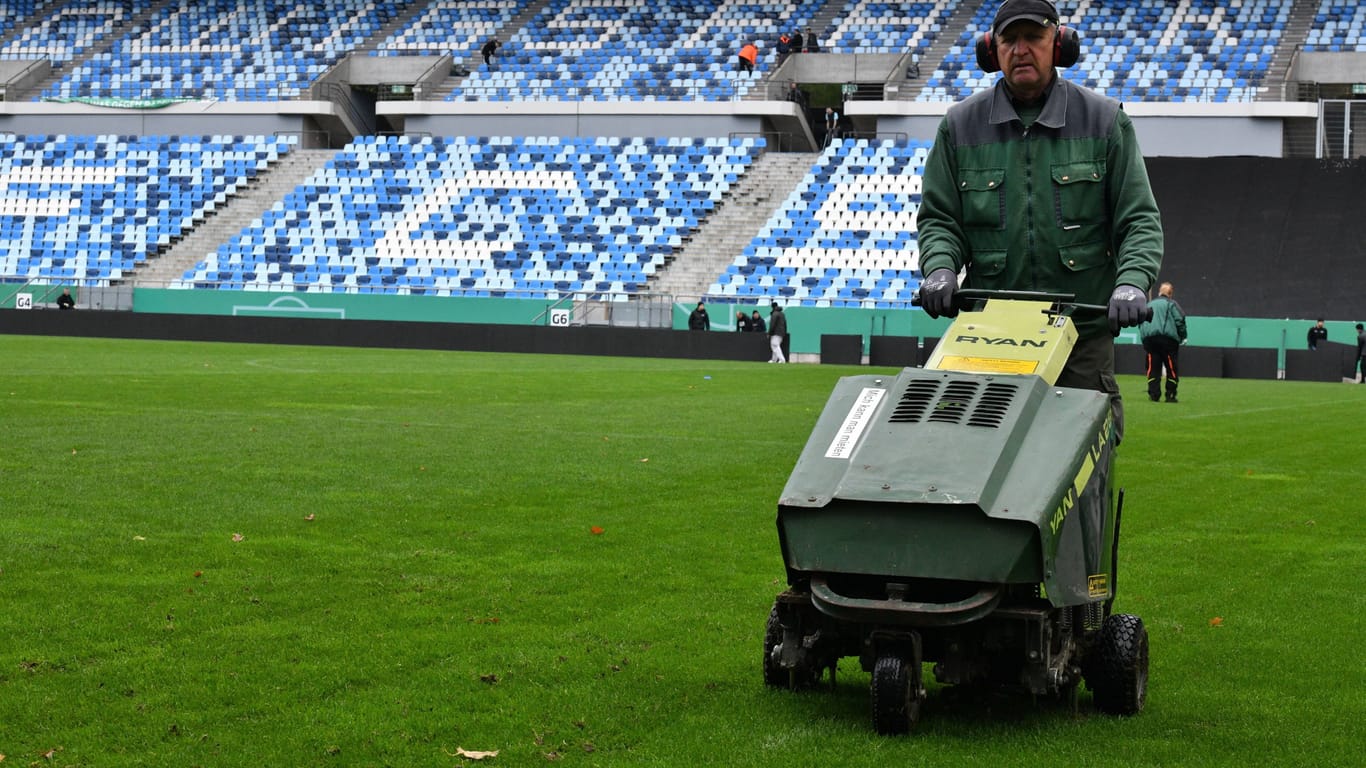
x: 774, y: 675
x: 801, y: 675
x: 896, y: 695
x: 1118, y: 677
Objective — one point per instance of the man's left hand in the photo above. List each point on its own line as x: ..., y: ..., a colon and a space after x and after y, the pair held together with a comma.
x: 1128, y: 307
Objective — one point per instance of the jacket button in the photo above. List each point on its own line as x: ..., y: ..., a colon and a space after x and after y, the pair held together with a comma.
x: 1071, y: 262
x: 1065, y: 178
x: 1095, y: 175
x: 991, y: 183
x: 964, y: 185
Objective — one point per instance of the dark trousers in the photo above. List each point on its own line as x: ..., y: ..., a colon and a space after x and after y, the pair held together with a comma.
x: 1162, y: 354
x: 1092, y: 366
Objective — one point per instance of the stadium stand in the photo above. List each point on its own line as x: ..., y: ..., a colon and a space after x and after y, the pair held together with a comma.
x: 243, y: 50
x: 643, y: 50
x: 1339, y: 25
x: 502, y: 216
x: 453, y: 27
x: 845, y: 237
x: 87, y: 210
x: 441, y: 213
x: 640, y: 51
x: 868, y: 26
x: 64, y: 33
x: 1144, y: 51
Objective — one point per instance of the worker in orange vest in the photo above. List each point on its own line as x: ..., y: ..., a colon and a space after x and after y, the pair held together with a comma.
x: 749, y: 56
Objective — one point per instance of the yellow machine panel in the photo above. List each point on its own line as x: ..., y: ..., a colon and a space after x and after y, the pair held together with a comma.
x: 1019, y: 337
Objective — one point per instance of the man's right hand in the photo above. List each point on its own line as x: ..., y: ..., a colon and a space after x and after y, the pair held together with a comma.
x: 936, y: 293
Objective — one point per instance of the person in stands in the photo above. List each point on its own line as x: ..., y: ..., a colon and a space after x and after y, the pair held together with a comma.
x: 489, y: 50
x: 748, y: 57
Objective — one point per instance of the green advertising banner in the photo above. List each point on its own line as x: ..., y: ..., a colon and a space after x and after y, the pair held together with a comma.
x: 344, y: 306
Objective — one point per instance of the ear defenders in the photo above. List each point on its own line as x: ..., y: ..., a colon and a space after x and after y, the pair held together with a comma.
x: 1066, y: 49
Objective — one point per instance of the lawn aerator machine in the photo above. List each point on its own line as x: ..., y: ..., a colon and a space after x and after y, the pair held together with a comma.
x: 961, y: 514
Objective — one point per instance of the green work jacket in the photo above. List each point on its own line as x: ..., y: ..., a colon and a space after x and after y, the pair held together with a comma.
x: 1168, y: 321
x: 1061, y: 204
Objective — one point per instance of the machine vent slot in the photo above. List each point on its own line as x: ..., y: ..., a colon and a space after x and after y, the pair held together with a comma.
x: 955, y: 402
x: 916, y: 402
x: 994, y: 404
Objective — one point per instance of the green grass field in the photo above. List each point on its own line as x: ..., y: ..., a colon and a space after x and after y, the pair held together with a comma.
x: 237, y: 555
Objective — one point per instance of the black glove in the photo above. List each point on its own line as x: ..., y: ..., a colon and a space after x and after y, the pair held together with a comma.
x: 1128, y: 307
x: 936, y: 293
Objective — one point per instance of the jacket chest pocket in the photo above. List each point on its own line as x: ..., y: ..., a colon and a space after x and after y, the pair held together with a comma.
x: 1079, y: 193
x: 982, y: 192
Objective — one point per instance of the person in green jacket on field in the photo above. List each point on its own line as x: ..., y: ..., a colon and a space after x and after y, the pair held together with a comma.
x: 1038, y: 184
x: 1162, y: 338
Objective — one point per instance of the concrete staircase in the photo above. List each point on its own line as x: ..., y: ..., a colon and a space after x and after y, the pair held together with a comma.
x: 228, y: 220
x: 474, y: 60
x: 724, y: 235
x: 823, y: 21
x: 1296, y: 32
x: 933, y: 58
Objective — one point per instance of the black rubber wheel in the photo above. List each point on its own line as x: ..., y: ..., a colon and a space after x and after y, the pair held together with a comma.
x: 896, y: 696
x: 800, y: 677
x: 774, y: 675
x: 1118, y: 676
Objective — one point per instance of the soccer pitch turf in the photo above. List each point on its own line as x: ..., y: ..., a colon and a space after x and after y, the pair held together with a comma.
x: 223, y: 554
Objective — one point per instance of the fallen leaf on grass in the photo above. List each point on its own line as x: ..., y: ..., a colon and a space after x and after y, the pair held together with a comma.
x: 73, y: 451
x: 238, y: 537
x: 553, y: 756
x: 1217, y: 621
x: 309, y: 517
x: 139, y: 538
x: 197, y: 574
x: 491, y: 679
x: 472, y: 754
x: 596, y: 530
x: 645, y: 461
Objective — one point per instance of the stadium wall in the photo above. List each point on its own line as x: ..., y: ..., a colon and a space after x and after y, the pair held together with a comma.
x: 192, y: 118
x: 1264, y: 238
x: 1333, y: 363
x: 1171, y: 129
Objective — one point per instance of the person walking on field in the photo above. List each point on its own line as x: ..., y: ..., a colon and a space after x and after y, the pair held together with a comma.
x: 1361, y: 352
x: 777, y: 331
x: 1162, y: 338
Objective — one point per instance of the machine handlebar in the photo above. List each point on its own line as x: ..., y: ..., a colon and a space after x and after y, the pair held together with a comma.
x: 968, y: 299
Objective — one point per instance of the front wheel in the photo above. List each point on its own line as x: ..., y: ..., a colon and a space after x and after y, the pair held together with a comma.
x: 896, y: 695
x: 1119, y: 676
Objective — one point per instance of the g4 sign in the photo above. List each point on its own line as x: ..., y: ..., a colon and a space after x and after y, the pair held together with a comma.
x: 559, y: 318
x: 23, y: 301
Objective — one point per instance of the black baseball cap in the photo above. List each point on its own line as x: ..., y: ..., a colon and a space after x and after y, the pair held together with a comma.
x: 1037, y: 11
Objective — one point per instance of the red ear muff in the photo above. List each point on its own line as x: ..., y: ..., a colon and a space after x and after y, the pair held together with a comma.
x: 986, y: 53
x: 1066, y: 47
x: 1066, y: 50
